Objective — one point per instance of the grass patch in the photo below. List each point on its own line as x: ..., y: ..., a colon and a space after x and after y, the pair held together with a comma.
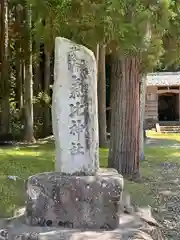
x: 167, y: 136
x: 26, y: 161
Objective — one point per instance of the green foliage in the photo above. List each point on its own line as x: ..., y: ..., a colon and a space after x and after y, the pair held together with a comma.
x: 124, y: 24
x: 42, y: 99
x: 171, y: 39
x: 150, y: 29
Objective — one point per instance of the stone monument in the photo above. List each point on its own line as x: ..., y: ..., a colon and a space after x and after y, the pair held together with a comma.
x: 78, y: 194
x: 74, y: 109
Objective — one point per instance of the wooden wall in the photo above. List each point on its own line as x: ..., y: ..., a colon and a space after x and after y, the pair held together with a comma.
x: 151, y: 106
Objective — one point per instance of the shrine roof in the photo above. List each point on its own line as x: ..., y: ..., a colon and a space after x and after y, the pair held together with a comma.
x: 163, y: 79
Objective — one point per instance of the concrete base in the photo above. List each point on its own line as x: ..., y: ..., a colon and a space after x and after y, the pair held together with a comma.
x: 67, y: 234
x: 86, y: 202
x: 130, y: 227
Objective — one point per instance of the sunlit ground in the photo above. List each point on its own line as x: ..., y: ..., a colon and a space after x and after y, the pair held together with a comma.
x: 167, y: 136
x: 26, y: 161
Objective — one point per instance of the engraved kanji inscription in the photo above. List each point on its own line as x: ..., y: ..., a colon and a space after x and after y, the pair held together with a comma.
x: 72, y: 57
x: 77, y: 109
x: 76, y: 128
x: 79, y: 65
x: 76, y: 149
x: 75, y: 88
x: 85, y: 89
x: 75, y: 48
x: 78, y: 90
x: 87, y: 137
x: 83, y: 69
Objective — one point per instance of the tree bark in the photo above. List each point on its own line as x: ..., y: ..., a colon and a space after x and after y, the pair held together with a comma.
x: 18, y: 91
x: 102, y: 96
x: 108, y: 93
x: 125, y: 122
x: 47, y: 77
x: 142, y: 111
x: 37, y: 73
x: 28, y: 84
x: 19, y: 87
x: 96, y: 53
x: 1, y: 35
x: 5, y: 91
x: 111, y: 99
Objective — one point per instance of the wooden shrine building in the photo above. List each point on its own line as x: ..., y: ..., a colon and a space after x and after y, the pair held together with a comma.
x: 163, y: 97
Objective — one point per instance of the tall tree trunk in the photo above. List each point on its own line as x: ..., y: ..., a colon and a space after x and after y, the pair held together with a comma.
x: 102, y: 96
x: 111, y: 99
x: 5, y: 91
x: 18, y: 91
x: 28, y: 83
x: 47, y: 77
x: 108, y: 93
x: 37, y: 88
x: 96, y: 53
x: 124, y: 142
x: 1, y: 40
x: 37, y: 75
x: 142, y: 110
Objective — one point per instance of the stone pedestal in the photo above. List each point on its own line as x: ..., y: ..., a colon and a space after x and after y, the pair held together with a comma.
x: 86, y: 202
x: 131, y: 227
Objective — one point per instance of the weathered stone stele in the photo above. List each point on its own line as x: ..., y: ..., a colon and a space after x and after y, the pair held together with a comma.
x: 78, y: 194
x: 74, y: 109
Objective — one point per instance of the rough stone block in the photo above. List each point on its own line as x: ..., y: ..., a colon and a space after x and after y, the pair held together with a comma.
x: 88, y: 202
